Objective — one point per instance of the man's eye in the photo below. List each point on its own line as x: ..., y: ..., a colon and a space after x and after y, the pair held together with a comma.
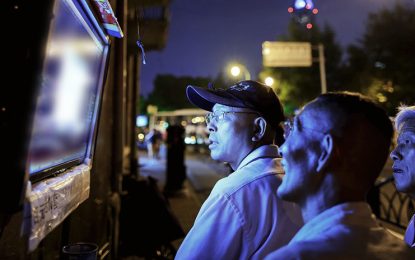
x: 404, y: 141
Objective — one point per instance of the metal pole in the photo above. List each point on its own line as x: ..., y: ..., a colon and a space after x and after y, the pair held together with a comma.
x: 322, y: 68
x: 246, y: 73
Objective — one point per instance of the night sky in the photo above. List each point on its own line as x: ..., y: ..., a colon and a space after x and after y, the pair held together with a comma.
x: 205, y: 35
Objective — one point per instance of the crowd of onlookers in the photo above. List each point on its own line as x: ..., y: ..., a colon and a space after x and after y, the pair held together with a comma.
x: 299, y: 192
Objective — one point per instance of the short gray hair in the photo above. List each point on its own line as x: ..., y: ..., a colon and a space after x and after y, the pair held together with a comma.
x: 405, y: 113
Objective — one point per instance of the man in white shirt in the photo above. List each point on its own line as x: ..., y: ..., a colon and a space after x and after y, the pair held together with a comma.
x: 242, y: 218
x: 336, y: 149
x: 403, y: 157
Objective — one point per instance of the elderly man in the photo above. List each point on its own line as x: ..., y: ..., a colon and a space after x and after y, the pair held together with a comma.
x: 242, y: 218
x: 403, y: 157
x: 335, y: 151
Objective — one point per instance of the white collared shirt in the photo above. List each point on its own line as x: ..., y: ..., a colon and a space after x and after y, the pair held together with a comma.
x: 243, y: 218
x: 345, y: 231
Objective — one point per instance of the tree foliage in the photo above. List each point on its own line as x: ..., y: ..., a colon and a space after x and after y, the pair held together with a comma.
x: 170, y: 91
x: 296, y: 86
x: 382, y: 64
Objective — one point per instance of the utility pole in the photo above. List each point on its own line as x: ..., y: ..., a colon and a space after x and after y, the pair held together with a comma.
x: 322, y: 64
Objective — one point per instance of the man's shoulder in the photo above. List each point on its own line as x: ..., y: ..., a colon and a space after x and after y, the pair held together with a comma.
x: 325, y: 249
x: 320, y: 250
x: 245, y: 181
x: 303, y: 250
x: 372, y: 245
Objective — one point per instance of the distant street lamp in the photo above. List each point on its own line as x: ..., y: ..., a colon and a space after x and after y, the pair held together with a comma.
x: 236, y: 69
x: 269, y: 81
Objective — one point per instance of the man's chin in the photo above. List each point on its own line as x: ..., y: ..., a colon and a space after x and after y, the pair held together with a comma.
x: 403, y: 187
x: 214, y: 155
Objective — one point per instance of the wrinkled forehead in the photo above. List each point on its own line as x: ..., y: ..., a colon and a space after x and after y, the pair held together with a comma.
x: 220, y: 107
x: 223, y: 108
x: 407, y: 126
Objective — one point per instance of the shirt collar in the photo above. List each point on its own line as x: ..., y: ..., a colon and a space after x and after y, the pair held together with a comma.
x: 269, y: 151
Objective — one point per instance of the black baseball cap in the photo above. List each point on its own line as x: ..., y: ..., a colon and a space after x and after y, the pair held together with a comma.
x: 244, y: 94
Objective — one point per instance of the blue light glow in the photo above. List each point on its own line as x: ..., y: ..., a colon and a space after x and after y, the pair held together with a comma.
x: 309, y: 4
x: 300, y: 4
x: 66, y: 104
x: 141, y: 121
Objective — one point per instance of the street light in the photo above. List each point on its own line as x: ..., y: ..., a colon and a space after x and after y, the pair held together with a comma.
x: 236, y: 69
x: 269, y: 81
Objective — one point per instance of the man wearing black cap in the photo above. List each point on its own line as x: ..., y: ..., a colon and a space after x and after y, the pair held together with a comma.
x: 242, y: 217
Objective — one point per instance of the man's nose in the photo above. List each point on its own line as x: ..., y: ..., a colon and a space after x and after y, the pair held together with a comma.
x: 395, y: 154
x: 211, y: 126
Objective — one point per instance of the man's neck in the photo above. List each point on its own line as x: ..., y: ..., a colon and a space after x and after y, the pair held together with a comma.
x: 331, y: 192
x: 316, y: 204
x: 248, y: 151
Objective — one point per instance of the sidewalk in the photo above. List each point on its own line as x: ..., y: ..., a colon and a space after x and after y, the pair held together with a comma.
x: 202, y: 174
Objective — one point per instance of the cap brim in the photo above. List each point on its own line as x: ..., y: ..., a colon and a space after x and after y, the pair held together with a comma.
x: 206, y: 98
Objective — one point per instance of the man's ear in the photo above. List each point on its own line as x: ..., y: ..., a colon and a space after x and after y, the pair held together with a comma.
x: 327, y: 152
x: 260, y: 126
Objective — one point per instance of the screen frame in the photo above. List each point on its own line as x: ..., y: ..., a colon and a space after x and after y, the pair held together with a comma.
x: 88, y: 17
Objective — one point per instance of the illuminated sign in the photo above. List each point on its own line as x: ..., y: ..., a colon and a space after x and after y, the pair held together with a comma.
x: 286, y: 54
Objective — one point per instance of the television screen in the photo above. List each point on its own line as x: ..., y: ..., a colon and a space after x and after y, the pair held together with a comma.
x: 69, y: 93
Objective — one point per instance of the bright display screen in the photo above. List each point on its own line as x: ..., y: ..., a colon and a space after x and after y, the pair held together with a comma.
x: 141, y: 121
x: 70, y: 86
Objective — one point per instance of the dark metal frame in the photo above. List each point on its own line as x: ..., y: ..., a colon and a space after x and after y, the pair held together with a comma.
x: 89, y: 18
x: 390, y: 205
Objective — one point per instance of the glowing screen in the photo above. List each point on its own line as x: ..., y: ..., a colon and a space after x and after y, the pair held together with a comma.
x: 67, y: 100
x: 141, y: 121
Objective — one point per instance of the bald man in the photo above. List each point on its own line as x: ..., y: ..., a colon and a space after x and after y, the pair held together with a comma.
x: 337, y: 148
